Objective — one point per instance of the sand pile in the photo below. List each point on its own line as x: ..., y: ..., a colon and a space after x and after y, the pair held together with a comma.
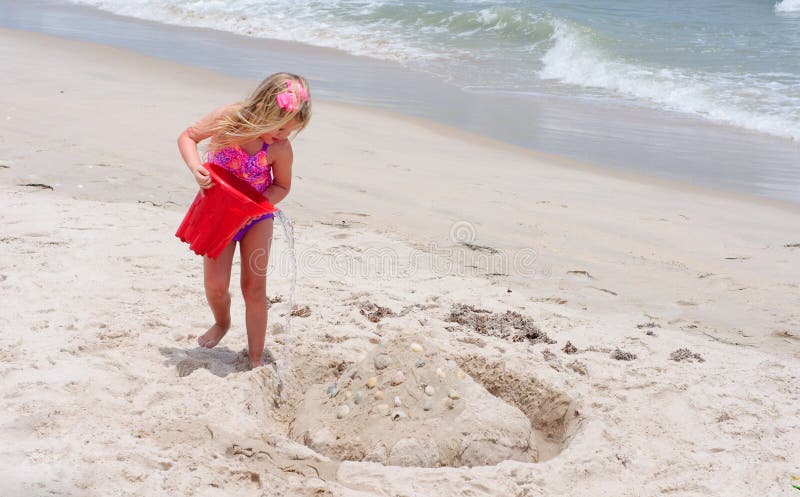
x: 407, y: 404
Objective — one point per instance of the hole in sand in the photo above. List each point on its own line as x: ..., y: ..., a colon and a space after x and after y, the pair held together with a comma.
x: 409, y: 404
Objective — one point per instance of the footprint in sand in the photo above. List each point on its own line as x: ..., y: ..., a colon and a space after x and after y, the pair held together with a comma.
x: 189, y: 366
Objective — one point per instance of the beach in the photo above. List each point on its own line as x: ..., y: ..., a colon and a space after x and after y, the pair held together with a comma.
x: 642, y: 334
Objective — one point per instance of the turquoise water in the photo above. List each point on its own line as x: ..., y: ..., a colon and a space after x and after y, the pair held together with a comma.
x: 735, y: 62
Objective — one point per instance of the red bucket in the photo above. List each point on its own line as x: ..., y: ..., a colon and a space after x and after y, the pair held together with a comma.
x: 218, y: 213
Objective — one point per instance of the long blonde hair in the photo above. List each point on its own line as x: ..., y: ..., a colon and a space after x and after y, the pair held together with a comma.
x: 261, y: 113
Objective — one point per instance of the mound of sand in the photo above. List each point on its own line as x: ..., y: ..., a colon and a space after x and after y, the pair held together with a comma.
x: 407, y: 404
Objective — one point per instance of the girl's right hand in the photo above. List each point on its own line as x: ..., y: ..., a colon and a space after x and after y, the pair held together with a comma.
x: 203, y: 178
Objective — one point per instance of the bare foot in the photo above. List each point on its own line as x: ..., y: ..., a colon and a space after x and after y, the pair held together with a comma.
x: 212, y: 337
x: 256, y: 363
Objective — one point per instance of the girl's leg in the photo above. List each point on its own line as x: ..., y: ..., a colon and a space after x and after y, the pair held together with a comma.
x: 217, y: 279
x: 254, y: 251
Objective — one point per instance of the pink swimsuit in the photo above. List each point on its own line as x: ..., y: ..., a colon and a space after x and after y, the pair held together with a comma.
x: 255, y: 169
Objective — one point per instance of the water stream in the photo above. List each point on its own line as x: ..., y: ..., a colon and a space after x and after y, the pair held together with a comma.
x: 281, y: 363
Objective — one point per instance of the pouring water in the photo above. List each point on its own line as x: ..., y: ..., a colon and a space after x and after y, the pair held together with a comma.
x: 282, y: 362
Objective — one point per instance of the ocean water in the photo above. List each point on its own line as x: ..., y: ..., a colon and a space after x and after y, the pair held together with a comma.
x: 734, y: 62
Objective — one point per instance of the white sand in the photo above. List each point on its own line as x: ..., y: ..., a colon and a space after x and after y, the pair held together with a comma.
x: 102, y: 304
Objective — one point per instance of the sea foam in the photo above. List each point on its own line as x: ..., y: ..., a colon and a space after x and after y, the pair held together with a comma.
x: 745, y: 101
x: 500, y: 46
x: 788, y: 6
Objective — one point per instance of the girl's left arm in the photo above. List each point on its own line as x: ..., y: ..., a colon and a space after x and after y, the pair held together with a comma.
x: 282, y: 158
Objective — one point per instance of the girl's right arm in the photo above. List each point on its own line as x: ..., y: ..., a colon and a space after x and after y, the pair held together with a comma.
x: 194, y: 134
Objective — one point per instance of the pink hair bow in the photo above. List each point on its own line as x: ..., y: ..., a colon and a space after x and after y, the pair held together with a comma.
x: 291, y: 98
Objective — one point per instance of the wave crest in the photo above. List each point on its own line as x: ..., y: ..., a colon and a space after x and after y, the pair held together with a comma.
x: 576, y: 59
x: 788, y: 6
x: 512, y: 24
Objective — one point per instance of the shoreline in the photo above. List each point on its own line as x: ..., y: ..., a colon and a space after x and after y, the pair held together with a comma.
x: 463, y: 135
x: 655, y: 144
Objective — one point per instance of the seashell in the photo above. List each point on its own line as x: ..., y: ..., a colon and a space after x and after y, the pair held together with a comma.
x: 372, y: 382
x: 382, y: 361
x: 342, y: 411
x: 332, y: 390
x: 398, y: 378
x: 461, y: 374
x: 415, y: 347
x: 427, y: 404
x: 419, y: 363
x: 378, y: 394
x: 359, y: 397
x: 397, y: 401
x: 453, y: 394
x: 440, y: 373
x: 398, y: 415
x: 429, y: 390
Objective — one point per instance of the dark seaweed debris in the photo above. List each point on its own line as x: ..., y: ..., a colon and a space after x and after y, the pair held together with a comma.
x: 682, y: 355
x: 569, y: 348
x: 301, y: 312
x: 374, y: 312
x: 621, y: 355
x: 650, y: 324
x: 38, y: 185
x: 509, y: 325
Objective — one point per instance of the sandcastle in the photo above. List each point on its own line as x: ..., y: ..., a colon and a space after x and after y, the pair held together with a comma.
x: 406, y: 404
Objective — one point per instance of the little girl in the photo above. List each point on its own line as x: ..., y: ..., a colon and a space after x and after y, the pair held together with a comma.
x: 249, y: 139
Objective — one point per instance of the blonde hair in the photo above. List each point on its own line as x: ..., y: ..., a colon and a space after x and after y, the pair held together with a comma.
x: 260, y: 113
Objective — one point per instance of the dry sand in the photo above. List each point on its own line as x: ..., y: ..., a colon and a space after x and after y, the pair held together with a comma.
x: 610, y: 335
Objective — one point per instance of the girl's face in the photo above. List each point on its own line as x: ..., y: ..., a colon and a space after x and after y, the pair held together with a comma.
x: 282, y: 133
